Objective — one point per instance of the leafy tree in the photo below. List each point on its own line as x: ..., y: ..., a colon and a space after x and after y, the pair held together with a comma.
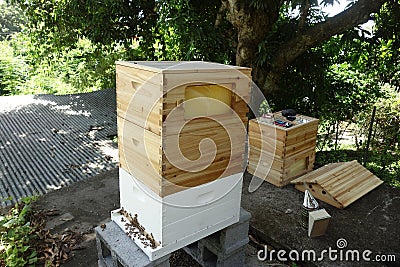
x: 11, y: 20
x: 13, y: 69
x: 386, y: 59
x: 198, y: 29
x: 257, y: 20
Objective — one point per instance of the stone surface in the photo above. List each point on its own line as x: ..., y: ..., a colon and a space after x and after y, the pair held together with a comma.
x: 207, y: 258
x: 369, y: 223
x: 225, y: 247
x: 116, y: 248
x: 231, y: 238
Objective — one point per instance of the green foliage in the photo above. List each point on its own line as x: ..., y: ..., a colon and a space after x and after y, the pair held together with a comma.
x: 65, y: 51
x: 13, y: 69
x: 27, y: 68
x: 188, y: 30
x: 17, y: 236
x: 264, y: 108
x: 385, y: 141
x: 386, y: 59
x: 11, y: 20
x: 160, y: 30
x: 332, y: 156
x: 63, y: 22
x: 383, y: 157
x: 320, y: 85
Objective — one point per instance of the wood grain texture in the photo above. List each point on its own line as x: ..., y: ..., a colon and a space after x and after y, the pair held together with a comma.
x: 279, y: 154
x: 339, y: 184
x: 151, y: 117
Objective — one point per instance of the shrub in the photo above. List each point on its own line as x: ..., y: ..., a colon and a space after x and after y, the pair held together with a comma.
x: 17, y: 236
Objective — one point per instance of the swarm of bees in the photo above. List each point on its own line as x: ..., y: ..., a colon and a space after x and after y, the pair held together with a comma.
x: 135, y: 230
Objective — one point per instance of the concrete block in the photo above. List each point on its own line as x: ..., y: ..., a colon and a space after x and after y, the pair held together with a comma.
x: 230, y: 238
x: 106, y: 262
x: 207, y: 258
x: 116, y: 249
x: 225, y: 247
x: 193, y: 250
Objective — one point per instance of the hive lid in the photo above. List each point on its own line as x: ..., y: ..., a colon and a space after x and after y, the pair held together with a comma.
x: 179, y: 66
x: 319, y: 214
x: 338, y: 184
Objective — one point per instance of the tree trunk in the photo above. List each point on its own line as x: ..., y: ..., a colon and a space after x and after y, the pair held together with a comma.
x: 253, y: 26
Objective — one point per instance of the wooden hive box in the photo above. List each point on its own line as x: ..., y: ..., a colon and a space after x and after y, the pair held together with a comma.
x: 278, y: 154
x: 168, y: 110
x: 339, y: 184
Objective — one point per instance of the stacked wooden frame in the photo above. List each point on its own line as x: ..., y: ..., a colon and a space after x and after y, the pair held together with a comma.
x: 180, y: 185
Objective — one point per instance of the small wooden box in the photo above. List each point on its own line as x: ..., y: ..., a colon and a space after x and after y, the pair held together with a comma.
x: 168, y: 110
x: 278, y: 154
x: 318, y: 222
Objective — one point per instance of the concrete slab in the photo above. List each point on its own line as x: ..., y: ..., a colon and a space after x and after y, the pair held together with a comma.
x: 90, y: 202
x: 371, y: 223
x: 112, y: 242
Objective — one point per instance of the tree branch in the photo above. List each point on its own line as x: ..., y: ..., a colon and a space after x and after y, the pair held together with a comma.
x: 357, y: 14
x: 305, y: 7
x: 220, y: 15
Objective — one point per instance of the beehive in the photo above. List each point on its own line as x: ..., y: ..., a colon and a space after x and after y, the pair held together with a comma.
x: 168, y: 111
x: 181, y: 140
x: 278, y: 154
x: 339, y: 184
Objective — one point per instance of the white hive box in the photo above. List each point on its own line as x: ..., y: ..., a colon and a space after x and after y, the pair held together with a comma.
x: 178, y: 219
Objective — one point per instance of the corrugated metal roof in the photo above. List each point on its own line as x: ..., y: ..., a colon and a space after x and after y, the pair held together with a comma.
x: 49, y: 141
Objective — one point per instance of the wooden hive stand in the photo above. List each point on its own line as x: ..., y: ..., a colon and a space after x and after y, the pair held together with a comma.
x: 339, y: 184
x: 278, y: 154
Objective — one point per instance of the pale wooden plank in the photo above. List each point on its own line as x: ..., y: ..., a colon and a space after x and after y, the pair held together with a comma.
x: 351, y: 196
x: 340, y: 168
x: 344, y: 179
x: 317, y: 192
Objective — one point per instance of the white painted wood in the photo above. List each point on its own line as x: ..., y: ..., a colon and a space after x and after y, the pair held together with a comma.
x: 136, y: 198
x: 161, y: 251
x: 181, y: 218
